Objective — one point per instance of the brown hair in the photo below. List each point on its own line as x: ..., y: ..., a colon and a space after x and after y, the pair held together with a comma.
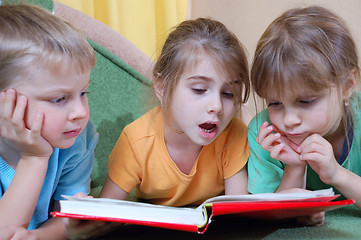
x: 185, y: 44
x: 32, y: 37
x: 305, y: 48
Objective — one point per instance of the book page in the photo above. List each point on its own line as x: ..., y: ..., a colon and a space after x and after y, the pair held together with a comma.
x: 326, y: 194
x: 111, y: 208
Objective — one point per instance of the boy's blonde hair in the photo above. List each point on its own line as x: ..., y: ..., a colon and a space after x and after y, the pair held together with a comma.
x: 32, y: 37
x: 184, y: 48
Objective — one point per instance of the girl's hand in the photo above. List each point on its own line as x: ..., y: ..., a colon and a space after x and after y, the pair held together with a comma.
x: 316, y: 219
x: 279, y: 146
x: 318, y: 153
x: 15, y: 232
x: 28, y: 142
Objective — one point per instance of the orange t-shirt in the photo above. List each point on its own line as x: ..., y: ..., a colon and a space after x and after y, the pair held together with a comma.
x: 140, y: 160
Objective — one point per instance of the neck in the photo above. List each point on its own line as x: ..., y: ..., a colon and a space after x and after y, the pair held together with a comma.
x: 180, y: 140
x: 181, y: 149
x: 337, y: 139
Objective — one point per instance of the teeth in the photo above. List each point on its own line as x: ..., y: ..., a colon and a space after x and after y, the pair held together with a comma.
x: 208, y: 127
x: 208, y: 130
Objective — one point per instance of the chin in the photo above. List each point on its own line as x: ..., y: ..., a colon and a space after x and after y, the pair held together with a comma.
x: 64, y: 145
x: 297, y: 141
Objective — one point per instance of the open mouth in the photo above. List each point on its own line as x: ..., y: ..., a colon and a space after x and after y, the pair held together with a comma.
x: 208, y: 127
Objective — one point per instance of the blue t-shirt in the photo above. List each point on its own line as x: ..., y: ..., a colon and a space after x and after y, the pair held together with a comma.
x: 68, y: 173
x: 265, y: 173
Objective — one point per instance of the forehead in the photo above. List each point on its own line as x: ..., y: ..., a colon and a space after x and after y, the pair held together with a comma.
x: 206, y: 65
x: 291, y: 92
x: 42, y: 78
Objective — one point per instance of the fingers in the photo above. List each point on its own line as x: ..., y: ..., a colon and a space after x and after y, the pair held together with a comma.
x: 316, y: 219
x: 16, y: 131
x: 19, y: 112
x: 82, y: 229
x: 8, y: 102
x: 276, y: 150
x: 263, y: 131
x: 12, y: 109
x: 82, y: 195
x: 315, y: 147
x: 266, y: 138
x: 37, y: 124
x: 295, y: 147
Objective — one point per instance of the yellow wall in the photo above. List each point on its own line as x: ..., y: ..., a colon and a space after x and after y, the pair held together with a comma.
x: 144, y: 22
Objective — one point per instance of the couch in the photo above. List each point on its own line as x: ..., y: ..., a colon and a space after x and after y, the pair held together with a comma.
x: 119, y: 94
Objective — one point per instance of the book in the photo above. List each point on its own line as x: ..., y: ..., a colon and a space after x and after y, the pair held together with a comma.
x: 264, y: 206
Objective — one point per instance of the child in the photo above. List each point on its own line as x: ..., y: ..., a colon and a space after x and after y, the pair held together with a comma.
x: 46, y: 142
x: 306, y: 69
x: 191, y: 147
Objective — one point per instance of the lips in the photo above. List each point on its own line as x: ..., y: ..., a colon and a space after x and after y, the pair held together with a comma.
x: 73, y: 133
x: 208, y: 127
x: 296, y: 138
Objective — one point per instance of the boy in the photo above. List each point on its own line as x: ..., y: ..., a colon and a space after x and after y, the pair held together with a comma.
x: 46, y: 140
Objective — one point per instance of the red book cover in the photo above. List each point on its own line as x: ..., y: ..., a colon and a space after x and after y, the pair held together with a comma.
x: 261, y: 206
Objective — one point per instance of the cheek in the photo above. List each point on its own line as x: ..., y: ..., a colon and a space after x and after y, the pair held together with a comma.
x: 230, y: 110
x: 275, y: 118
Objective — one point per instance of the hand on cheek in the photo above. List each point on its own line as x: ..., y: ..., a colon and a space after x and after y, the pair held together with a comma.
x: 28, y: 141
x: 318, y: 153
x: 279, y: 146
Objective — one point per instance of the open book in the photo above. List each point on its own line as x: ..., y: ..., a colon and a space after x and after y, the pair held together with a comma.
x: 266, y: 205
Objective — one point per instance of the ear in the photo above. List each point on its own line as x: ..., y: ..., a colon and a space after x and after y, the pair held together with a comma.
x: 158, y: 88
x: 350, y: 84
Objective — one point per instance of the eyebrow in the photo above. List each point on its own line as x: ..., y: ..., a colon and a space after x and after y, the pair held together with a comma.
x: 200, y: 77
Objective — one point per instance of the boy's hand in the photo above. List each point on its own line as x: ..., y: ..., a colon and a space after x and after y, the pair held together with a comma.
x: 279, y: 146
x: 28, y: 142
x: 83, y: 229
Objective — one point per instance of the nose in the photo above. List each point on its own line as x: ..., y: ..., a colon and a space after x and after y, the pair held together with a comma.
x: 79, y: 109
x: 216, y: 104
x: 291, y: 117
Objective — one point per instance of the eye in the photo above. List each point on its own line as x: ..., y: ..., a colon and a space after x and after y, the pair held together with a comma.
x: 58, y: 100
x: 307, y: 101
x: 270, y: 104
x: 84, y: 93
x: 199, y: 90
x: 228, y: 95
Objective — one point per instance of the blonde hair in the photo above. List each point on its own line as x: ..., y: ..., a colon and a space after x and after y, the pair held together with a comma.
x: 186, y: 43
x: 308, y: 48
x: 305, y: 50
x: 32, y: 37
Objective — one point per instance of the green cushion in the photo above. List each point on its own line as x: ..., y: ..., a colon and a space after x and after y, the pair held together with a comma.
x: 116, y: 99
x: 47, y: 4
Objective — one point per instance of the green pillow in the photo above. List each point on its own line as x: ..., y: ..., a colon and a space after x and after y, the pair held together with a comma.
x: 47, y: 4
x: 116, y: 99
